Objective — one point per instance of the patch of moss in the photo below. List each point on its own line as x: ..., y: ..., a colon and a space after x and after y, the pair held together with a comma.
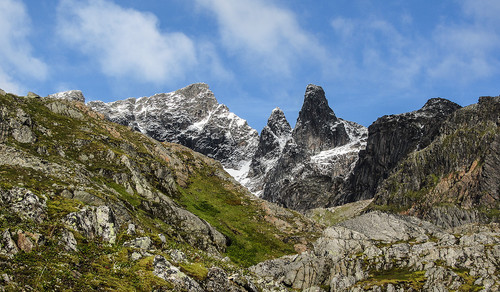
x: 468, y: 280
x: 396, y: 276
x: 36, y: 181
x: 132, y: 199
x: 58, y: 207
x: 195, y: 270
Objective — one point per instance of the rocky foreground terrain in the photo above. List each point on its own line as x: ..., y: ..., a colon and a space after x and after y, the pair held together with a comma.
x: 88, y: 204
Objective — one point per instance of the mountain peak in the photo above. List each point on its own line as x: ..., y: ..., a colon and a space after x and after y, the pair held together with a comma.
x: 440, y: 105
x: 315, y: 100
x: 278, y: 123
x: 317, y: 126
x: 190, y: 116
x: 276, y: 109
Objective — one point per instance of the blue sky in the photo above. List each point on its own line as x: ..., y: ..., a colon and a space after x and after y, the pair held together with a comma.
x: 371, y: 57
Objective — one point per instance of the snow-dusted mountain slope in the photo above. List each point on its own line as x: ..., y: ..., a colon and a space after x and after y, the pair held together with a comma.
x: 190, y: 116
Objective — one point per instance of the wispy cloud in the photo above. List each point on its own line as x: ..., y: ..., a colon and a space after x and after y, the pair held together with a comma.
x: 383, y: 53
x: 468, y: 50
x: 126, y: 42
x: 375, y: 51
x: 266, y: 36
x: 17, y: 62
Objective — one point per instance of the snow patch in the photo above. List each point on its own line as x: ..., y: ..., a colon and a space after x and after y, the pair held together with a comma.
x: 241, y: 174
x: 325, y: 157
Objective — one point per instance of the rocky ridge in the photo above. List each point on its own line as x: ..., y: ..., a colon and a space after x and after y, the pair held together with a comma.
x: 391, y: 139
x: 190, y: 116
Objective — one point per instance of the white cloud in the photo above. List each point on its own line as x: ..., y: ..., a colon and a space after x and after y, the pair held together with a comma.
x: 10, y: 85
x: 482, y: 10
x: 126, y: 42
x: 16, y: 58
x: 374, y: 51
x: 212, y: 64
x: 265, y: 35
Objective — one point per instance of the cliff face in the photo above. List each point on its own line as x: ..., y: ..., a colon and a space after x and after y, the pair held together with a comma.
x: 272, y: 141
x: 455, y: 179
x: 391, y: 139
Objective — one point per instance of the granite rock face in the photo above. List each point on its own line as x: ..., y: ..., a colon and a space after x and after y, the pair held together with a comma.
x: 94, y: 222
x: 272, y: 141
x: 190, y: 116
x: 168, y: 272
x: 24, y: 203
x: 391, y: 139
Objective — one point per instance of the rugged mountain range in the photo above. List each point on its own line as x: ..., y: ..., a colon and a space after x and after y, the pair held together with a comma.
x: 88, y: 204
x: 324, y: 160
x: 299, y: 168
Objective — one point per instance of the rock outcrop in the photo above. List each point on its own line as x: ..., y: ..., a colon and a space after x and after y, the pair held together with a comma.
x: 72, y: 95
x: 272, y: 141
x: 380, y: 252
x: 24, y: 203
x: 317, y: 127
x: 94, y: 222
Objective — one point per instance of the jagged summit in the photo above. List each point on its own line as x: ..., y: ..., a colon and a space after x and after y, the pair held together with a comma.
x: 273, y: 139
x: 278, y: 123
x: 315, y: 160
x: 317, y: 127
x: 439, y: 103
x: 315, y: 106
x: 190, y: 116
